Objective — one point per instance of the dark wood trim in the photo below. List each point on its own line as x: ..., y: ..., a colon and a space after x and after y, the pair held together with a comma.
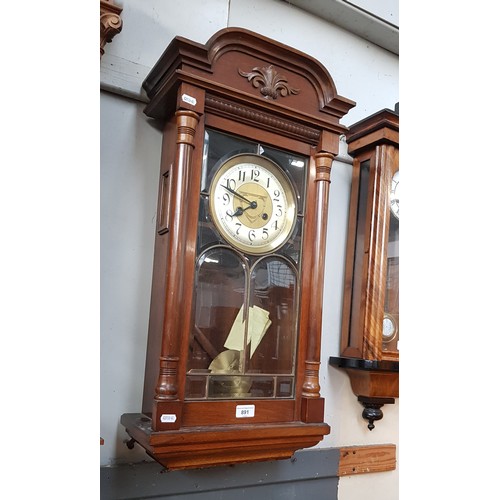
x: 365, y: 364
x: 249, y: 115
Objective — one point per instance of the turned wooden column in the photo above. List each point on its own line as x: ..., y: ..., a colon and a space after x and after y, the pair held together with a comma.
x: 311, y: 385
x: 168, y: 379
x: 312, y: 408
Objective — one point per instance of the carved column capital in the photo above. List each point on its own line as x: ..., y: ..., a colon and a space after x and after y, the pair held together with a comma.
x: 110, y: 22
x: 323, y: 166
x: 186, y: 126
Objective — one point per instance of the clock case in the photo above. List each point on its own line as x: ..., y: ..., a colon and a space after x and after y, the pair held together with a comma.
x: 257, y: 89
x: 371, y: 364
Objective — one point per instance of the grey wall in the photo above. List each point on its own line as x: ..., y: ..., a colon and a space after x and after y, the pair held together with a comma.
x: 308, y: 474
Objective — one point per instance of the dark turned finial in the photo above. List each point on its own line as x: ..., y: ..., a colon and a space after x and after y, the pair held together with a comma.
x: 372, y: 408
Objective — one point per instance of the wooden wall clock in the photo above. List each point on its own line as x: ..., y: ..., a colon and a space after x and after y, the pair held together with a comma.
x: 250, y: 129
x: 370, y: 317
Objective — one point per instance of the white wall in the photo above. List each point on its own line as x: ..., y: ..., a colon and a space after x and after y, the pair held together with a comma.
x: 130, y: 155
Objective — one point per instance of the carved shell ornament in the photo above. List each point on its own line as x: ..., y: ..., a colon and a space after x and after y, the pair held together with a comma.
x: 272, y: 84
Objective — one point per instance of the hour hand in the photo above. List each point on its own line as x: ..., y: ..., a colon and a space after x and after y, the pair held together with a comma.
x: 240, y: 210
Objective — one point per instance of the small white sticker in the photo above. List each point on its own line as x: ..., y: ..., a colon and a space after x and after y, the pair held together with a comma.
x: 245, y: 411
x: 167, y: 418
x: 189, y: 99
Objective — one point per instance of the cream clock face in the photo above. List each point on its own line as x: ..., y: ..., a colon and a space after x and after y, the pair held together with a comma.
x: 252, y: 204
x: 394, y: 195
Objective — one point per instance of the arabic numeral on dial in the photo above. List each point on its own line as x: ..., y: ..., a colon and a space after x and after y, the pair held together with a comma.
x: 280, y: 211
x: 251, y: 235
x: 255, y: 174
x: 228, y: 216
x: 265, y: 234
x: 241, y: 175
x: 231, y: 184
x: 239, y: 227
x: 226, y: 199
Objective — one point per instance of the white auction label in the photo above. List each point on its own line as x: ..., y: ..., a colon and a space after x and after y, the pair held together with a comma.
x: 245, y: 411
x: 166, y: 418
x: 189, y: 99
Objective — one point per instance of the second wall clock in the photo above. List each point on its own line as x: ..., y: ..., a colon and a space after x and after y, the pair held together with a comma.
x: 370, y: 318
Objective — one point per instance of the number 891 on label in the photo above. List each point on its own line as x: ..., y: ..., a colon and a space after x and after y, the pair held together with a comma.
x: 245, y: 411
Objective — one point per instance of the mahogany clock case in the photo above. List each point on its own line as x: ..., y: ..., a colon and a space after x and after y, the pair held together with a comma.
x: 222, y: 388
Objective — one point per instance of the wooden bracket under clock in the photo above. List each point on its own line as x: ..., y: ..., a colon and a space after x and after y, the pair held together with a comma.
x: 375, y: 382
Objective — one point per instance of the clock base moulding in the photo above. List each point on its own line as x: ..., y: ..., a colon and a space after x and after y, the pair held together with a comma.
x: 198, y: 447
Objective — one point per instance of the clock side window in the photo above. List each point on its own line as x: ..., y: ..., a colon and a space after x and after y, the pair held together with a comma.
x: 390, y: 336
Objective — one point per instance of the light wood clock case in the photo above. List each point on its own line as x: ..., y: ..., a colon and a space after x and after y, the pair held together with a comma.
x: 250, y: 129
x: 370, y: 318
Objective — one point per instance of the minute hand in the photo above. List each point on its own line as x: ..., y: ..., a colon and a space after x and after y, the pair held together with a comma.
x: 253, y: 204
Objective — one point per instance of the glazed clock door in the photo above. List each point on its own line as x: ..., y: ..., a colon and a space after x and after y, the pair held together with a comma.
x: 244, y: 334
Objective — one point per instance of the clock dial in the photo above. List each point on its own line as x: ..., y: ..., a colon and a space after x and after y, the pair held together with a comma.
x: 252, y: 204
x: 394, y: 195
x: 389, y: 328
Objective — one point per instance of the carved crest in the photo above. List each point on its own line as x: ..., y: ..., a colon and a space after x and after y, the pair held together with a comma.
x: 270, y: 81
